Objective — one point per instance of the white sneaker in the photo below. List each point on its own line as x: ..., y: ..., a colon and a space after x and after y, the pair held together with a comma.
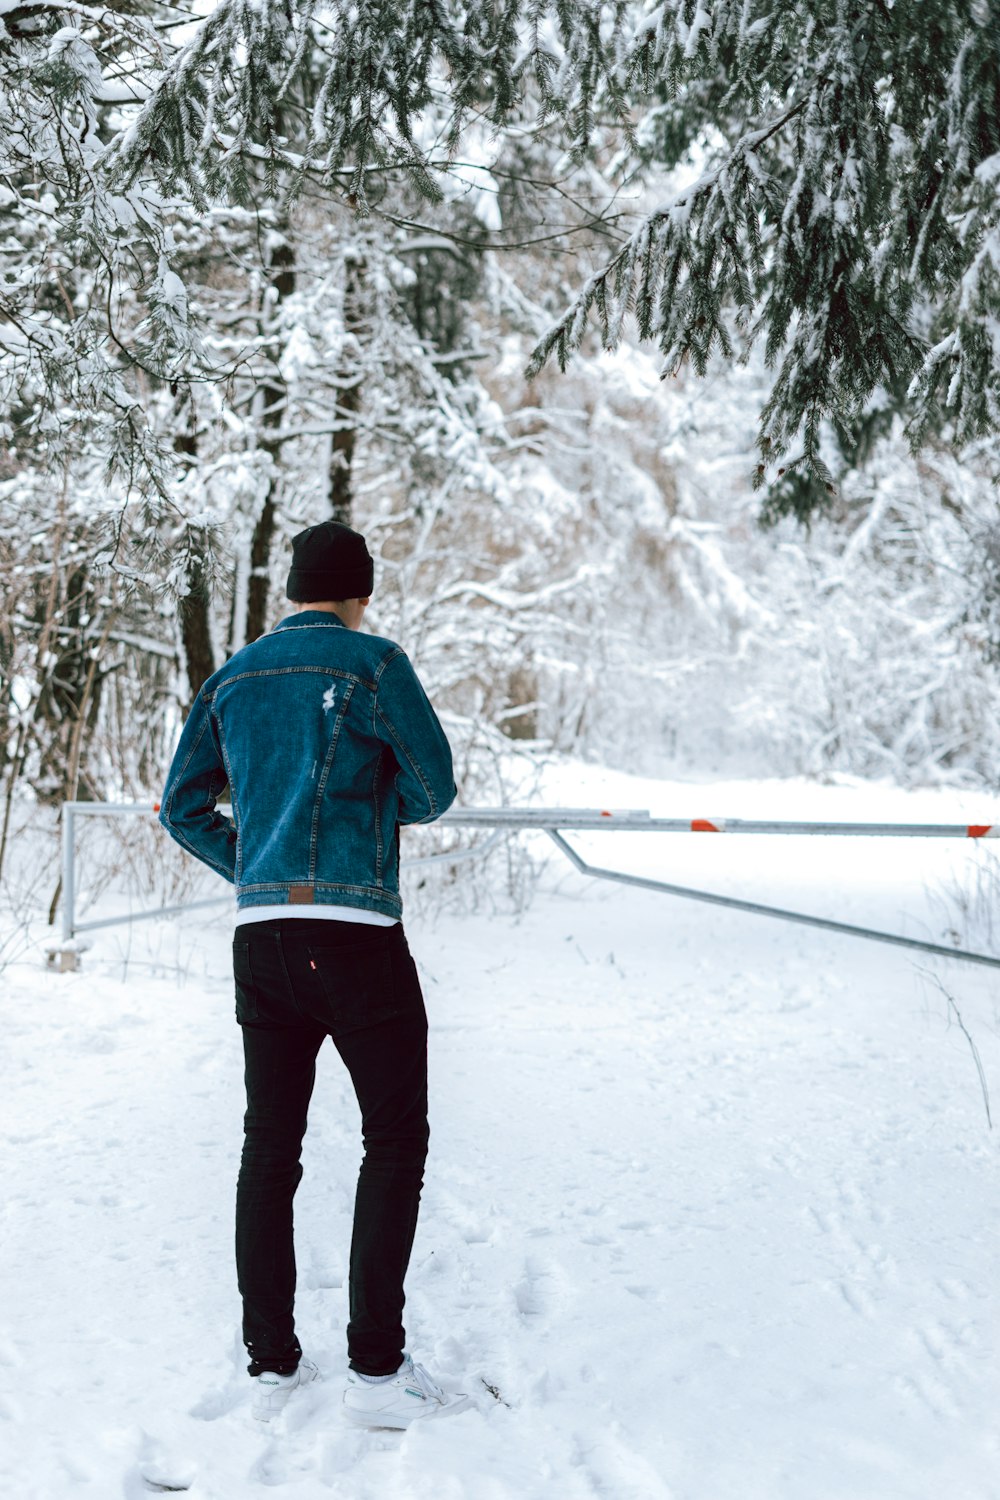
x: 410, y: 1396
x: 271, y: 1391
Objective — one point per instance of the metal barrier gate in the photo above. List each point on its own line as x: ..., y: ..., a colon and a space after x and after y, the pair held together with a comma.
x: 555, y: 822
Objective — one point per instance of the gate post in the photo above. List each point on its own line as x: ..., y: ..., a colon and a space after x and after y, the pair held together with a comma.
x: 68, y: 874
x: 64, y: 957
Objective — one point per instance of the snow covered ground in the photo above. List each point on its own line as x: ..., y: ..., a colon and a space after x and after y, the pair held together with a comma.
x: 712, y: 1200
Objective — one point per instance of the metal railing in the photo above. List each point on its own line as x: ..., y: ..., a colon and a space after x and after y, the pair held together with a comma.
x: 73, y: 810
x: 555, y: 822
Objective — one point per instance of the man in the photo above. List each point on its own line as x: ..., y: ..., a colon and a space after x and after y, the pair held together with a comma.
x: 327, y: 743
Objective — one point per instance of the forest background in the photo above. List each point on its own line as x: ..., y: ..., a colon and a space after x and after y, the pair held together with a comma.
x: 268, y: 263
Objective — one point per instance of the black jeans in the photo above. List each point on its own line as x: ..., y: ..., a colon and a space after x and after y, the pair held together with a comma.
x: 299, y: 981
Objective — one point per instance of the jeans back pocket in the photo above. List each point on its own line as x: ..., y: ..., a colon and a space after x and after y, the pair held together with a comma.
x: 356, y: 984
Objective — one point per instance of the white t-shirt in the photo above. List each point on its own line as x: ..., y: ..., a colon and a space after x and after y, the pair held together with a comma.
x: 314, y: 913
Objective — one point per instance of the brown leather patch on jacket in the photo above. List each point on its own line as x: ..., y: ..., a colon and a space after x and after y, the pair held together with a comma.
x: 301, y: 895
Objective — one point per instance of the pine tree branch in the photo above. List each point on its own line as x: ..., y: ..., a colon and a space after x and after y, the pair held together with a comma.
x: 567, y: 334
x: 560, y: 234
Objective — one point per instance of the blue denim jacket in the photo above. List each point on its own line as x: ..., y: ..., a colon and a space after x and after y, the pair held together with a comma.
x: 328, y: 743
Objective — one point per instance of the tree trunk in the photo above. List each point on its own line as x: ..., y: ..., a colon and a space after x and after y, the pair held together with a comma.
x: 196, y: 634
x: 270, y: 417
x: 65, y: 690
x: 347, y: 391
x: 194, y: 607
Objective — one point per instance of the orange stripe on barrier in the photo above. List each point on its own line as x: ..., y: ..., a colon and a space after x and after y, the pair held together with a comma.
x: 605, y: 815
x: 156, y: 807
x: 702, y: 825
x: 978, y: 830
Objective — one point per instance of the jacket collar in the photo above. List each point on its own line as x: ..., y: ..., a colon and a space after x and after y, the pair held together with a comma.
x: 310, y: 617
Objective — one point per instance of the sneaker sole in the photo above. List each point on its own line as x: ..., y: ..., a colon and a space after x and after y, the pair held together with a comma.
x: 397, y: 1421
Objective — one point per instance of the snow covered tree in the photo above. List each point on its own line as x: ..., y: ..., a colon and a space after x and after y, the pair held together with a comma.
x: 843, y: 207
x: 91, y: 309
x: 308, y: 253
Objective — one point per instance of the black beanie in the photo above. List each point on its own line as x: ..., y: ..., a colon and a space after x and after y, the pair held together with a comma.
x: 329, y: 561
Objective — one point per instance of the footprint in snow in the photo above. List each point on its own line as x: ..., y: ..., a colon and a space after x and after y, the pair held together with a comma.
x: 953, y: 1288
x: 217, y: 1402
x: 159, y: 1472
x: 154, y: 1487
x: 542, y: 1285
x: 324, y: 1279
x: 271, y: 1468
